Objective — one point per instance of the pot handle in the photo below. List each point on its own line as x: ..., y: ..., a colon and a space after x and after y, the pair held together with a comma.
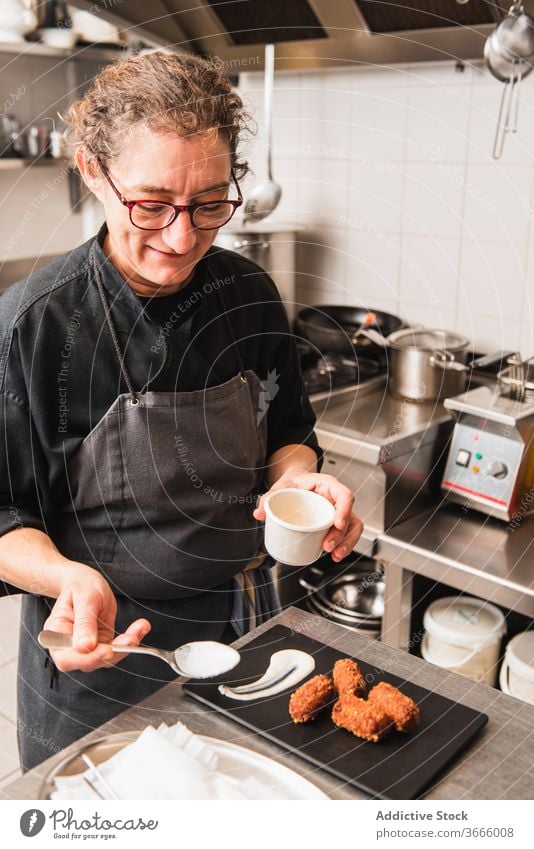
x: 503, y: 677
x: 373, y: 336
x: 445, y: 360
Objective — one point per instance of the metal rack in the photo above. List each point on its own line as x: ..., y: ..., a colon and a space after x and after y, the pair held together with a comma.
x: 13, y: 164
x: 81, y: 53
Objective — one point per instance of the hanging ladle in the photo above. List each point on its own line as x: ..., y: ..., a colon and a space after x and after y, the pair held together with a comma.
x: 509, y: 52
x: 265, y: 197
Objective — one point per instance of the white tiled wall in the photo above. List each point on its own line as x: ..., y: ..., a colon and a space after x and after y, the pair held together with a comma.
x: 390, y: 174
x: 387, y: 170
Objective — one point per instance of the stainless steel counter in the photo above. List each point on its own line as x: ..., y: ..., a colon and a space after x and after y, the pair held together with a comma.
x: 497, y: 764
x: 367, y: 423
x: 462, y: 548
x: 389, y: 452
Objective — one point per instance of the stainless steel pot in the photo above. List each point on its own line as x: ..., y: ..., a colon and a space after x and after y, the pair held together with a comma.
x: 427, y: 365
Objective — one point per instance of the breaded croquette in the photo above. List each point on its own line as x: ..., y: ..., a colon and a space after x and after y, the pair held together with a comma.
x: 370, y: 719
x: 361, y: 718
x: 348, y: 679
x: 310, y: 698
x: 399, y: 708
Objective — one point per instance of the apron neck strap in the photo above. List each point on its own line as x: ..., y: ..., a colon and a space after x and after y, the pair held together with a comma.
x: 107, y: 309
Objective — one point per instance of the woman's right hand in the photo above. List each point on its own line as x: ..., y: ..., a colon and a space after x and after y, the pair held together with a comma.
x: 86, y: 609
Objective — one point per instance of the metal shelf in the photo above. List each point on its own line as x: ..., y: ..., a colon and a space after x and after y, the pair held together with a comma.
x: 80, y: 52
x: 12, y: 164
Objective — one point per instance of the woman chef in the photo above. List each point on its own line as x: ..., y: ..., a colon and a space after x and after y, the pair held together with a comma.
x: 150, y: 390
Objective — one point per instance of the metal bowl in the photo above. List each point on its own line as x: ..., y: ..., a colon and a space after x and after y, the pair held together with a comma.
x: 367, y: 628
x: 354, y: 599
x: 361, y: 596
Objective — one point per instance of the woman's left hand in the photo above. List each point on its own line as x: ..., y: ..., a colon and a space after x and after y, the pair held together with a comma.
x: 341, y: 538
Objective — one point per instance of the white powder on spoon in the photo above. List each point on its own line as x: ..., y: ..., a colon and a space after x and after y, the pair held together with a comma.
x: 205, y: 659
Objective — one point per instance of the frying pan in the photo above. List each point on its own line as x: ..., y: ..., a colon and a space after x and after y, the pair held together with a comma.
x: 333, y: 330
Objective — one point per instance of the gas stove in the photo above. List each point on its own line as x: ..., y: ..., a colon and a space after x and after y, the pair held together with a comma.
x: 324, y: 373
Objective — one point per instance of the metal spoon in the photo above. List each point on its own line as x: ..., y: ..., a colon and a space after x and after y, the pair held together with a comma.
x: 201, y: 659
x: 264, y: 199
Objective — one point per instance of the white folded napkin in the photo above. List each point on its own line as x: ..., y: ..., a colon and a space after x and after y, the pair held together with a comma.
x: 165, y: 763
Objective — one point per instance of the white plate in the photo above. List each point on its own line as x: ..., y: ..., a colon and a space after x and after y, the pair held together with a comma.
x: 234, y: 761
x: 238, y: 762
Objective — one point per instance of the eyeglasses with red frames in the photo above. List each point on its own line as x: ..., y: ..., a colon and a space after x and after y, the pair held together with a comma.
x: 158, y: 214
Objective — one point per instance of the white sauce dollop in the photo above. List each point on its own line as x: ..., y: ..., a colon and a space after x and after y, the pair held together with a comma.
x: 206, y: 659
x: 286, y: 669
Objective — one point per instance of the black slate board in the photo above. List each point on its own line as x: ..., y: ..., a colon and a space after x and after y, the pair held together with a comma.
x: 399, y: 767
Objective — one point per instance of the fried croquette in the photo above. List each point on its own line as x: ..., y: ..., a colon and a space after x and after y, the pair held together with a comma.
x: 348, y: 679
x: 306, y: 702
x: 361, y: 718
x: 370, y: 719
x: 399, y: 708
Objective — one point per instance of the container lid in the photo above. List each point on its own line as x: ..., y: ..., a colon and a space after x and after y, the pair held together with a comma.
x: 464, y: 621
x: 520, y: 655
x: 428, y: 340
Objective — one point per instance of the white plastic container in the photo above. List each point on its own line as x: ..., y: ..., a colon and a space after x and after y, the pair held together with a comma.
x: 62, y: 38
x: 15, y: 21
x: 295, y: 525
x: 463, y: 635
x: 517, y: 670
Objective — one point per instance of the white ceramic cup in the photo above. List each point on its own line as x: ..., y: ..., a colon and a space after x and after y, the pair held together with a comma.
x: 295, y: 525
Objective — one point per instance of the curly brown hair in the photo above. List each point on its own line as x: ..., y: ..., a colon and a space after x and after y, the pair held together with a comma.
x: 164, y: 91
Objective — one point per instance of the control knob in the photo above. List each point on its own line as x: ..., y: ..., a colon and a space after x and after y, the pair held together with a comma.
x: 497, y: 470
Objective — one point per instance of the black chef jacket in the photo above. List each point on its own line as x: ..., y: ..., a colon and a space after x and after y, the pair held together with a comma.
x: 59, y: 371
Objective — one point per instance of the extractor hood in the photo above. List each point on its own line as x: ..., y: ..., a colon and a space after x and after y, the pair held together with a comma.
x: 311, y: 33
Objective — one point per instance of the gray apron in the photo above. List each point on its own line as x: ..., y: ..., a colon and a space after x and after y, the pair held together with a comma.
x: 161, y: 498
